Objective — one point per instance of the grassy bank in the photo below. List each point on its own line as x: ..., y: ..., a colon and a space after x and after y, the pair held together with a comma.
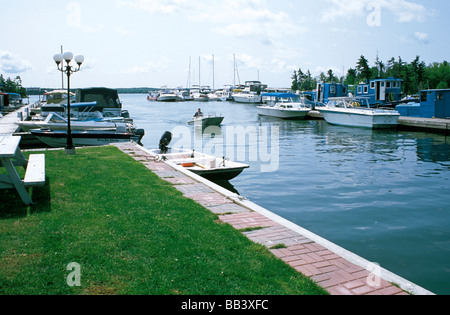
x: 131, y: 233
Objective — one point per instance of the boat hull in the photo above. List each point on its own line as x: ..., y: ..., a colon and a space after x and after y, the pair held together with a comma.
x: 215, y: 175
x: 206, y: 166
x: 282, y: 113
x: 207, y: 121
x: 361, y: 118
x: 58, y: 138
x: 170, y: 99
x: 247, y: 99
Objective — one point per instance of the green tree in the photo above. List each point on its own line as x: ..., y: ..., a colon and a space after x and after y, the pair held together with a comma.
x: 363, y: 70
x: 295, y: 85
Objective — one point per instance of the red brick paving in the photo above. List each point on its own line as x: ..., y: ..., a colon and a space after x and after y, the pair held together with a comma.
x: 332, y: 272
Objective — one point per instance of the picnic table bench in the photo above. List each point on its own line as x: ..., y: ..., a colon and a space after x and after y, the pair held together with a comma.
x: 10, y: 157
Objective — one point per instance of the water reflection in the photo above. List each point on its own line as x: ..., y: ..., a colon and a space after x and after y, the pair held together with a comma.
x: 379, y: 193
x: 227, y: 185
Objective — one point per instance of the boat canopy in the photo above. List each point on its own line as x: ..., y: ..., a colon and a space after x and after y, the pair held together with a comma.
x: 105, y: 98
x: 279, y: 95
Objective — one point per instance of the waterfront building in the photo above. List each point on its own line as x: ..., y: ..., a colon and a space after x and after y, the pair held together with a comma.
x: 381, y: 92
x: 433, y: 104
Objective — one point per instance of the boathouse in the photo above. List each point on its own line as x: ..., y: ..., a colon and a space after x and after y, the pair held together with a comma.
x: 433, y: 104
x: 380, y: 91
x: 327, y: 90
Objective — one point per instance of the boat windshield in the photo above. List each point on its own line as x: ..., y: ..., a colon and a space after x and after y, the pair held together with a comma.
x: 349, y: 103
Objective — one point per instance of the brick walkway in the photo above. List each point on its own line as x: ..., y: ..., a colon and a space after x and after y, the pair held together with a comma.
x: 331, y: 271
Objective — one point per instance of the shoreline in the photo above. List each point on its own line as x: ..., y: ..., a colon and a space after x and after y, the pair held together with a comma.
x: 334, y: 268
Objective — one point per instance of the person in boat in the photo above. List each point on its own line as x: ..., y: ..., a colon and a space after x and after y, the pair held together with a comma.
x: 198, y: 114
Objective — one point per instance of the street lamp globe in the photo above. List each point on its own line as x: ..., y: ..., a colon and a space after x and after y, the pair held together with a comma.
x: 58, y: 58
x: 68, y: 56
x: 79, y: 59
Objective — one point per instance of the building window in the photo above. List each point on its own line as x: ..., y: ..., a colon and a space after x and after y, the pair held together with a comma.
x: 423, y: 97
x: 333, y: 89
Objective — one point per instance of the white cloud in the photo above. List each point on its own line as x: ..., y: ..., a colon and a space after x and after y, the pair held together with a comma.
x: 422, y: 38
x: 11, y: 63
x: 151, y: 66
x: 403, y: 10
x: 241, y: 18
x: 161, y: 6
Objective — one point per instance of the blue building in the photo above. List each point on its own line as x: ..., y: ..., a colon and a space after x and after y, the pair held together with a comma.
x: 327, y: 90
x: 433, y: 104
x: 380, y: 91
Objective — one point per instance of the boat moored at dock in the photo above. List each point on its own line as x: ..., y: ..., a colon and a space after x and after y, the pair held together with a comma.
x: 205, y: 165
x: 283, y: 105
x: 85, y: 138
x: 356, y: 112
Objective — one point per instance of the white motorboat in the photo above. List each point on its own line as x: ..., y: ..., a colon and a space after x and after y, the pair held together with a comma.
x: 283, y: 105
x: 167, y: 96
x: 356, y: 112
x: 55, y: 121
x: 207, y: 166
x: 205, y: 121
x: 84, y: 138
x: 198, y: 95
x: 251, y: 93
x: 247, y: 97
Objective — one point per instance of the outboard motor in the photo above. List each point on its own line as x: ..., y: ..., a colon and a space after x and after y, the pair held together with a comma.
x: 140, y: 133
x: 164, y: 142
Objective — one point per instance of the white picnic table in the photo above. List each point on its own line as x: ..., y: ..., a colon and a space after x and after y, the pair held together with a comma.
x: 10, y: 157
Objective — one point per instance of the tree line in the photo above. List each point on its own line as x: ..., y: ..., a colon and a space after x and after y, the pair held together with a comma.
x: 12, y: 86
x: 416, y: 75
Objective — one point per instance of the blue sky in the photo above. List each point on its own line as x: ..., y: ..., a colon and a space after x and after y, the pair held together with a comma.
x: 136, y: 43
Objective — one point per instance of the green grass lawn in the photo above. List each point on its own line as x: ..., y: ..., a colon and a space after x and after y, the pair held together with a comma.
x: 131, y: 233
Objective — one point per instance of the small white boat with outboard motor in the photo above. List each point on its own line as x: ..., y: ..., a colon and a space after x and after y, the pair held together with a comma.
x: 205, y: 121
x: 205, y: 165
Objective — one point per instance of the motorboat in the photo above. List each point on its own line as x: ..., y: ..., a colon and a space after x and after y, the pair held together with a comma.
x: 85, y: 138
x: 167, y: 96
x: 56, y: 121
x: 251, y: 94
x: 86, y: 101
x: 356, y: 112
x: 205, y: 121
x: 283, y: 105
x: 207, y: 166
x: 198, y: 95
x: 152, y: 96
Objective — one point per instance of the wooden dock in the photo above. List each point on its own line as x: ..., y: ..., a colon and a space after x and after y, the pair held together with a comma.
x: 425, y: 124
x: 410, y: 123
x: 7, y: 122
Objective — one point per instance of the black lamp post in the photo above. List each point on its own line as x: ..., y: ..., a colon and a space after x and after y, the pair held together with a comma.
x: 69, y: 70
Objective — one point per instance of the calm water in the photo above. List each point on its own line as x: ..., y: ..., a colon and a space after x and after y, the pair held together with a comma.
x: 383, y: 195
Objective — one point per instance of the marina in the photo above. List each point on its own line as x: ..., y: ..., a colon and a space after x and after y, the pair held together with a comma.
x: 378, y: 193
x: 323, y: 182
